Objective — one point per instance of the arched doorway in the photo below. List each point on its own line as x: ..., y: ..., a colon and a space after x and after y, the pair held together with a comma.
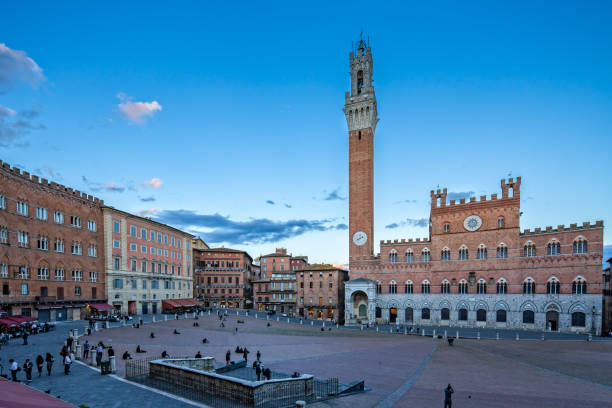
x: 393, y: 315
x: 409, y: 315
x: 360, y: 304
x: 552, y: 320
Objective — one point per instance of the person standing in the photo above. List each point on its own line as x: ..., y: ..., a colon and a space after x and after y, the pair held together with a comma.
x: 448, y: 392
x: 40, y: 361
x: 258, y: 371
x: 25, y: 337
x: 228, y: 355
x: 27, y: 367
x: 258, y: 355
x: 99, y: 353
x: 245, y: 354
x: 67, y: 362
x: 14, y: 367
x: 49, y: 359
x: 86, y: 350
x: 111, y: 352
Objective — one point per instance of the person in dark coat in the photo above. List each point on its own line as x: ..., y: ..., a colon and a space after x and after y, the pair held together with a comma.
x: 228, y: 355
x: 258, y: 371
x: 245, y: 354
x: 25, y: 338
x: 49, y: 359
x: 27, y: 367
x: 448, y: 392
x: 40, y: 361
x: 126, y: 355
x: 111, y: 352
x: 69, y: 343
x: 258, y: 355
x: 198, y: 355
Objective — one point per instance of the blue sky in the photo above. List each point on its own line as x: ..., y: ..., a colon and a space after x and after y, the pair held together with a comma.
x: 227, y: 118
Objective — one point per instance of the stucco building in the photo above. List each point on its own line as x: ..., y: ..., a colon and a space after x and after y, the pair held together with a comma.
x: 321, y: 292
x: 146, y: 262
x: 51, y: 242
x: 477, y: 267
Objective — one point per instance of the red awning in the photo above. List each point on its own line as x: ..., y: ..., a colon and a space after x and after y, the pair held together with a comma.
x: 8, y: 322
x: 187, y: 302
x: 19, y: 395
x: 100, y: 306
x: 171, y: 304
x: 21, y: 319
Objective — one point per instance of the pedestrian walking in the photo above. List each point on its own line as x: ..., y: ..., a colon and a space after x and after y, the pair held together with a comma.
x: 258, y: 355
x: 27, y: 367
x: 25, y: 337
x: 245, y: 354
x: 49, y: 359
x: 69, y: 343
x: 67, y: 362
x: 14, y: 367
x: 40, y: 361
x: 228, y: 355
x: 99, y: 354
x: 86, y: 350
x: 448, y: 392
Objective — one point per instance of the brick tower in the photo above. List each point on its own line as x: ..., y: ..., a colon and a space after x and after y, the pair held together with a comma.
x: 361, y: 117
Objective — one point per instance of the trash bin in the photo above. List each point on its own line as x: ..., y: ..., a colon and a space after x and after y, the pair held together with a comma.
x: 105, y: 367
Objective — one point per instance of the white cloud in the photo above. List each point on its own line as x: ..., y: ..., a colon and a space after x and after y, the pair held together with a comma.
x: 154, y: 182
x: 16, y: 66
x: 136, y: 112
x: 149, y: 212
x: 14, y: 126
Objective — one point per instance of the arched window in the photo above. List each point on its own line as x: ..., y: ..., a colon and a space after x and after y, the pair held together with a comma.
x: 378, y: 287
x: 445, y: 314
x: 553, y: 247
x: 425, y: 255
x: 481, y: 252
x: 409, y: 255
x: 393, y: 287
x: 409, y: 287
x: 463, y: 314
x: 393, y: 256
x: 553, y: 286
x: 580, y: 246
x: 425, y: 286
x: 529, y: 249
x: 463, y: 286
x: 529, y: 286
x: 425, y: 314
x: 579, y: 286
x: 528, y: 317
x: 445, y: 287
x: 502, y: 286
x: 359, y: 81
x: 500, y: 222
x: 502, y: 251
x: 445, y: 254
x: 481, y: 287
x: 463, y: 253
x: 500, y: 316
x: 481, y: 315
x: 578, y: 319
x: 446, y: 227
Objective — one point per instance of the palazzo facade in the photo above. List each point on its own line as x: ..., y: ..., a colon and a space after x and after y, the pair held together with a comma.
x: 477, y: 268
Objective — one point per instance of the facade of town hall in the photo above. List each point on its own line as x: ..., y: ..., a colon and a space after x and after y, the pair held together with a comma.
x: 477, y: 268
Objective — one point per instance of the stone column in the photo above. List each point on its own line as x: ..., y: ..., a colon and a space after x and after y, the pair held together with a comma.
x: 401, y: 315
x: 113, y: 364
x: 385, y: 314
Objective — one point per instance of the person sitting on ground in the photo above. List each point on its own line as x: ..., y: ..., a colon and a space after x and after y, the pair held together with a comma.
x: 238, y: 349
x: 152, y: 335
x: 267, y: 373
x: 126, y: 356
x: 139, y: 350
x: 196, y: 324
x: 176, y: 332
x: 268, y: 325
x: 204, y: 340
x: 164, y: 354
x: 322, y: 329
x: 198, y: 355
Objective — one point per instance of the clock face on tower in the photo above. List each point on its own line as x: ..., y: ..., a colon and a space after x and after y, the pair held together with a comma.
x: 472, y: 223
x: 360, y: 238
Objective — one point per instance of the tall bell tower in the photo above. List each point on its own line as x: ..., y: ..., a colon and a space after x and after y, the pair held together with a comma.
x: 361, y: 117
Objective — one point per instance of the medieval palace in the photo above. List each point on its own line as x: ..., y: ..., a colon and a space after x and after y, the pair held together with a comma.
x: 477, y: 268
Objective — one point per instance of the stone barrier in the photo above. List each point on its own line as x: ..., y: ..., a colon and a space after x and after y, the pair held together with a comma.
x: 113, y: 364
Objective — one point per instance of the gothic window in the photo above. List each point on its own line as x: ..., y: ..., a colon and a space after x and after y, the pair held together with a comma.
x: 553, y: 286
x: 447, y: 227
x: 579, y: 286
x: 502, y: 251
x: 580, y: 246
x: 409, y: 255
x: 393, y: 256
x: 409, y: 287
x: 463, y: 314
x: 425, y: 255
x: 425, y: 286
x: 445, y: 314
x: 463, y: 287
x: 529, y: 286
x: 463, y: 253
x: 553, y: 248
x: 500, y: 222
x: 481, y: 287
x: 500, y: 316
x: 481, y: 315
x: 481, y: 252
x: 359, y: 81
x: 378, y: 287
x: 445, y: 287
x: 393, y: 287
x: 425, y: 314
x: 502, y: 287
x: 528, y: 316
x: 529, y: 249
x: 445, y: 254
x: 578, y: 319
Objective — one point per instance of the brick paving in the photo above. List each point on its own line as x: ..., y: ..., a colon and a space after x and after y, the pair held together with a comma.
x: 505, y: 373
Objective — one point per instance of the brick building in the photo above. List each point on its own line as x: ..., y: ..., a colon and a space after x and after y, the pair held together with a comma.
x: 51, y: 253
x: 321, y: 292
x: 223, y: 277
x: 146, y: 262
x: 477, y: 267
